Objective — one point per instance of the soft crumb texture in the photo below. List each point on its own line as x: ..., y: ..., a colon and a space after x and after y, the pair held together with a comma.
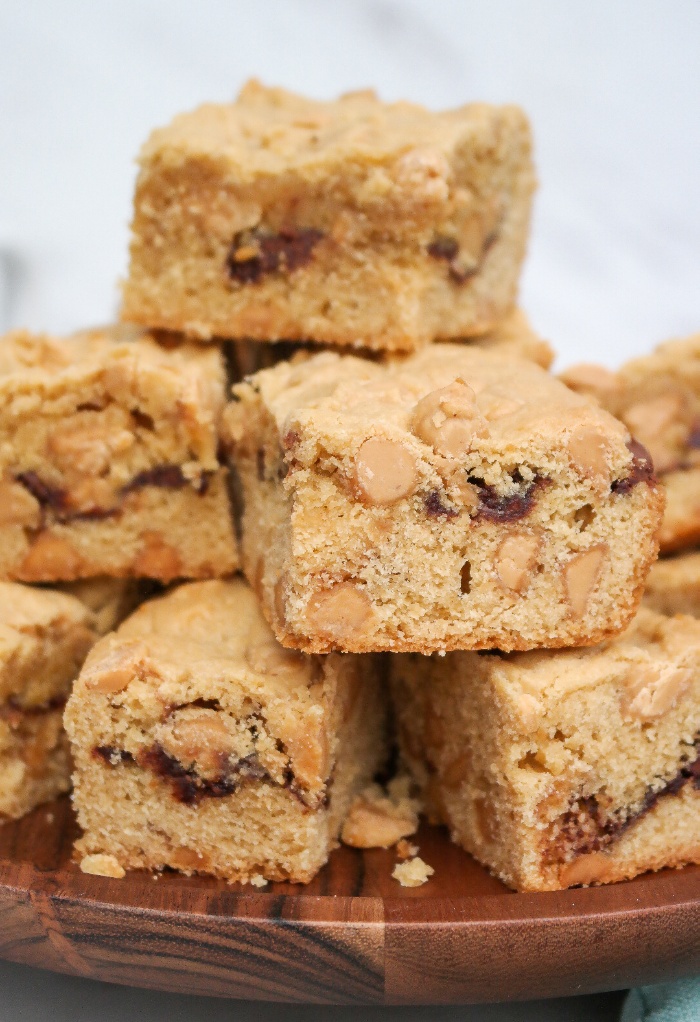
x: 379, y: 817
x: 108, y: 453
x: 355, y: 222
x: 44, y: 639
x: 557, y: 769
x: 658, y: 398
x: 412, y: 873
x: 258, y: 880
x: 102, y: 866
x: 201, y: 744
x: 673, y: 585
x: 451, y: 499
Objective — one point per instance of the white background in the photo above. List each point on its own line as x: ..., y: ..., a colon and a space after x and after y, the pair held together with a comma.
x: 613, y: 90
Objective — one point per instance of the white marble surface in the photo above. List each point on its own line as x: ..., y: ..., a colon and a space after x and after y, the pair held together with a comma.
x: 613, y: 91
x: 614, y: 266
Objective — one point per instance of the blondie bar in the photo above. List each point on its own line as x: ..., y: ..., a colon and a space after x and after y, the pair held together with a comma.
x: 108, y: 458
x: 452, y: 499
x: 202, y: 745
x: 44, y: 638
x: 658, y: 398
x: 353, y: 222
x: 562, y: 768
x: 673, y: 585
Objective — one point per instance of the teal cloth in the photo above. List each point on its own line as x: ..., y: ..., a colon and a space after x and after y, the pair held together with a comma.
x: 667, y: 1002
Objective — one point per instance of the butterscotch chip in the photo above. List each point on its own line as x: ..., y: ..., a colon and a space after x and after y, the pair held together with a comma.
x: 654, y: 690
x: 449, y: 420
x: 18, y: 506
x: 581, y: 575
x: 189, y: 860
x: 50, y: 558
x: 339, y: 612
x: 386, y: 471
x: 157, y: 559
x: 558, y: 768
x: 102, y: 865
x: 590, y: 453
x: 516, y: 558
x: 586, y: 869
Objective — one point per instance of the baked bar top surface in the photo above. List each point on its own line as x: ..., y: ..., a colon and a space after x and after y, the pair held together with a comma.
x: 267, y: 131
x: 44, y: 636
x: 654, y: 653
x: 159, y: 372
x: 333, y: 402
x: 210, y: 632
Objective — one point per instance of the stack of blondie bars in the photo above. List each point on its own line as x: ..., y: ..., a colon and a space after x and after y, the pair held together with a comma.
x: 321, y: 378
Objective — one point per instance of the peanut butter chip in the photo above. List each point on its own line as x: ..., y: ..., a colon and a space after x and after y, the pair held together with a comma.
x: 585, y: 869
x: 385, y: 471
x: 653, y: 690
x: 448, y: 420
x: 589, y: 453
x: 340, y: 612
x: 102, y: 866
x: 581, y: 575
x: 18, y: 506
x: 515, y: 559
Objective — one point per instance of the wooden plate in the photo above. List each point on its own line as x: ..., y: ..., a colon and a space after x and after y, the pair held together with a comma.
x: 352, y: 936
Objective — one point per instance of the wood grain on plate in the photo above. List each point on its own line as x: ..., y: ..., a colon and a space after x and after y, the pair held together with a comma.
x: 351, y: 936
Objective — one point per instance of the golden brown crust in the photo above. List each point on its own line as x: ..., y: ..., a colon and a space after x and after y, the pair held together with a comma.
x: 354, y: 222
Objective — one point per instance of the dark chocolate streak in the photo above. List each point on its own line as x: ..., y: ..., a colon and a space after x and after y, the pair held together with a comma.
x: 165, y: 476
x: 285, y: 251
x: 495, y: 507
x: 434, y: 507
x: 448, y: 249
x: 642, y: 470
x: 112, y: 756
x: 586, y: 828
x: 189, y: 787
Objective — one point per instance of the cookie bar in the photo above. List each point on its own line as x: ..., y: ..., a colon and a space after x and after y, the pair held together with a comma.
x: 108, y: 458
x: 353, y: 222
x: 202, y: 745
x: 562, y: 768
x: 673, y: 585
x: 452, y: 499
x: 44, y: 638
x: 109, y: 599
x: 658, y: 398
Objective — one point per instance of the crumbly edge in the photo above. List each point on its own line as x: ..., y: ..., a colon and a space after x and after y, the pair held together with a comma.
x: 152, y: 537
x: 259, y: 829
x: 35, y: 763
x: 545, y: 800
